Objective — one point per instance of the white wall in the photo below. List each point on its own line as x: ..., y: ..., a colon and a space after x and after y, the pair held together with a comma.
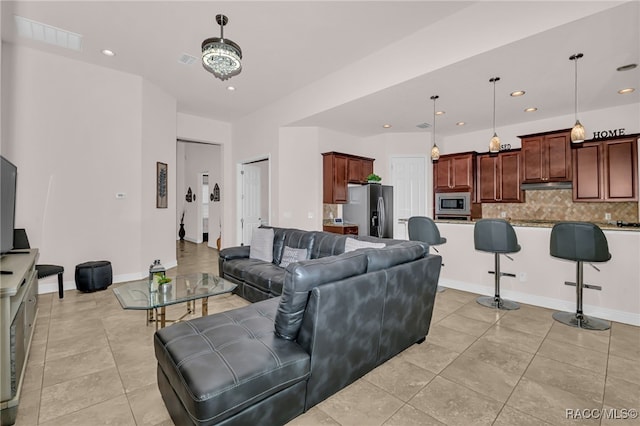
x: 79, y: 134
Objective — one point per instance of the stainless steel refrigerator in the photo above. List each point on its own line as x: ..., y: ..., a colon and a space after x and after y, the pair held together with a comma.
x: 371, y: 208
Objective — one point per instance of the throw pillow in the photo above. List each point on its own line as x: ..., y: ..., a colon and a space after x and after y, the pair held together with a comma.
x: 262, y: 244
x: 351, y: 244
x: 291, y: 255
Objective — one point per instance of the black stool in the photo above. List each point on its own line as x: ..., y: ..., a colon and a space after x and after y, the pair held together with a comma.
x: 498, y: 237
x: 21, y: 241
x: 93, y: 276
x: 424, y: 229
x: 580, y: 242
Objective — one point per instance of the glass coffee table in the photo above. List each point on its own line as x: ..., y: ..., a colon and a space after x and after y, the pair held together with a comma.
x: 184, y: 289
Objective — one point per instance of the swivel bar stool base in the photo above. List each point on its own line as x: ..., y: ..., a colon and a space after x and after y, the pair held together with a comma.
x: 581, y: 321
x: 497, y: 303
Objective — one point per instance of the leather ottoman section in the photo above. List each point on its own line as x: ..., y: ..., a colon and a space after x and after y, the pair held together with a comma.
x: 262, y: 275
x: 236, y: 268
x: 221, y: 364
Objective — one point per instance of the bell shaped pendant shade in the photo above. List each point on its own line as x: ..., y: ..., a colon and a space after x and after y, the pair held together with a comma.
x: 494, y: 143
x: 577, y: 132
x: 435, y: 151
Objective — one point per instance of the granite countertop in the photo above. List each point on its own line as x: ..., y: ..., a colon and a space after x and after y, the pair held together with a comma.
x: 531, y: 223
x: 339, y: 224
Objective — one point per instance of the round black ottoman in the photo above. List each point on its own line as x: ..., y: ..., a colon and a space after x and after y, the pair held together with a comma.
x: 93, y: 276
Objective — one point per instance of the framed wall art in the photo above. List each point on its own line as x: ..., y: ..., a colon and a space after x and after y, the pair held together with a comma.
x: 161, y: 185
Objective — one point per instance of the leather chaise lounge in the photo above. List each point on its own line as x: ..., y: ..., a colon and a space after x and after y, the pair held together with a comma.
x: 339, y: 316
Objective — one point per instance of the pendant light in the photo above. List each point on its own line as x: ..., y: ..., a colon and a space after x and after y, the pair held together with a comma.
x: 494, y: 144
x: 435, y: 151
x: 577, y: 133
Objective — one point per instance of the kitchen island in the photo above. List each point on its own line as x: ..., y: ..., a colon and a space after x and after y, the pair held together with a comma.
x: 540, y: 278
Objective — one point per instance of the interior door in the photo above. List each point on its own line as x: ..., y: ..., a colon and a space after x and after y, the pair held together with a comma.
x: 251, y: 201
x: 409, y: 192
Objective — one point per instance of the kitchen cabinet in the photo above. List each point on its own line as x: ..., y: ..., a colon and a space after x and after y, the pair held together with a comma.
x: 454, y: 172
x: 338, y: 170
x: 499, y: 177
x: 546, y: 157
x: 341, y: 229
x: 606, y: 170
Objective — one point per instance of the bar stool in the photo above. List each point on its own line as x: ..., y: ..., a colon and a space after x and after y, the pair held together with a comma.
x: 580, y: 242
x: 424, y: 229
x: 21, y: 242
x: 496, y: 236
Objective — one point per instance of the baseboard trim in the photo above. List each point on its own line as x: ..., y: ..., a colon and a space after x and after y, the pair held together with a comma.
x: 546, y: 302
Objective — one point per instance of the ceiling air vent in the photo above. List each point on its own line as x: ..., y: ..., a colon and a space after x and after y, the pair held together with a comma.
x: 186, y: 59
x: 48, y: 34
x: 423, y: 125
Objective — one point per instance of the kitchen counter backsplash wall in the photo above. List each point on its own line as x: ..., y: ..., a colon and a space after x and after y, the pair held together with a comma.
x: 558, y: 204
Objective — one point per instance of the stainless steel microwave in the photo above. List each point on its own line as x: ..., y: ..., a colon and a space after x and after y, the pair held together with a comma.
x: 453, y: 203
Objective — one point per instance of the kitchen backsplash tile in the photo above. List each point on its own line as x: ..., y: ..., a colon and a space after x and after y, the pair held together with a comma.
x: 558, y: 205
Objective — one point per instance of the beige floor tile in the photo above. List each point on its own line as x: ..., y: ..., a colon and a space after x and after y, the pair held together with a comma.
x: 590, y: 339
x: 431, y: 357
x: 507, y: 358
x: 33, y: 377
x: 313, y: 417
x: 580, y: 357
x: 547, y: 402
x: 510, y: 417
x: 82, y: 392
x: 477, y: 312
x: 63, y: 369
x: 358, y: 401
x: 400, y: 378
x: 28, y: 409
x: 65, y: 328
x: 612, y: 416
x: 71, y: 346
x: 115, y: 411
x: 448, y: 338
x: 623, y: 368
x: 583, y: 383
x: 625, y: 341
x: 138, y: 375
x: 538, y: 326
x: 411, y: 416
x: 147, y: 406
x: 458, y: 322
x: 454, y: 404
x: 508, y: 337
x: 454, y: 295
x: 620, y: 393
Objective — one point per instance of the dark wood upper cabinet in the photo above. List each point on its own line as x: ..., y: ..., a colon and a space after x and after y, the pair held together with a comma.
x: 338, y: 170
x: 454, y: 172
x: 546, y: 157
x: 606, y: 170
x: 499, y: 178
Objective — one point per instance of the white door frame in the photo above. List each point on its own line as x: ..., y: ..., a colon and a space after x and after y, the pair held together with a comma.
x: 239, y: 188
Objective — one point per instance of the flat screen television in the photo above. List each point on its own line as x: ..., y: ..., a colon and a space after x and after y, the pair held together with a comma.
x: 8, y: 179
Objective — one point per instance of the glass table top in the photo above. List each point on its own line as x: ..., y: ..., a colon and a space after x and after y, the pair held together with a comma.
x: 184, y: 288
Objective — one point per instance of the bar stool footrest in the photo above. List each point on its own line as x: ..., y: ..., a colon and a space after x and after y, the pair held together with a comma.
x: 589, y: 286
x: 581, y: 321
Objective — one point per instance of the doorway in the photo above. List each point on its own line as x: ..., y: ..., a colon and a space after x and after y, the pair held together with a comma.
x: 204, y: 205
x: 254, y: 197
x: 408, y: 178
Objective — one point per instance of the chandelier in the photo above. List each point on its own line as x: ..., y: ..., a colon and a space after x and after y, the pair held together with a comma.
x: 221, y: 56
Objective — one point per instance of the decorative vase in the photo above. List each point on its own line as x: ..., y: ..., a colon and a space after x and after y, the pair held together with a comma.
x: 165, y: 288
x: 181, y: 232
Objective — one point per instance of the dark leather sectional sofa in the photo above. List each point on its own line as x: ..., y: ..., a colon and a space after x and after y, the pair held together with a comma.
x: 340, y: 315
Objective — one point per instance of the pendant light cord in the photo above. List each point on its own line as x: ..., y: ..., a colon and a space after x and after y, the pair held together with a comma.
x: 575, y: 87
x: 494, y: 80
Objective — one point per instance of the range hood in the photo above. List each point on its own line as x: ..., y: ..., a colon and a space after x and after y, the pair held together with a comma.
x: 546, y: 185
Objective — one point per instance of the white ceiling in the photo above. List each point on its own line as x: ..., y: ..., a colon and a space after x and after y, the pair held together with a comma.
x: 289, y: 45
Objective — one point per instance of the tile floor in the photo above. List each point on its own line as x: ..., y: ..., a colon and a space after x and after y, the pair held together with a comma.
x: 93, y: 363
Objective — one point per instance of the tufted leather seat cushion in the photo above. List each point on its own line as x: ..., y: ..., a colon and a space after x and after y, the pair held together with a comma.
x: 221, y: 364
x: 264, y: 276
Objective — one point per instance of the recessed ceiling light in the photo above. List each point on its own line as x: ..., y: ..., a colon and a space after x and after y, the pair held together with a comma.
x: 460, y: 123
x: 231, y: 88
x: 107, y: 52
x: 532, y: 109
x: 627, y: 67
x: 386, y: 126
x: 518, y: 93
x: 440, y: 112
x: 627, y: 90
